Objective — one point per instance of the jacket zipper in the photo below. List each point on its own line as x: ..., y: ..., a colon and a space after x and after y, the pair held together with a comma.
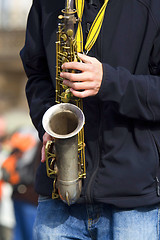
x: 88, y: 191
x: 157, y: 179
x: 158, y: 187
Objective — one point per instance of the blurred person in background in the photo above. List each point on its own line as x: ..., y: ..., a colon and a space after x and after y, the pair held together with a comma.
x: 7, y: 217
x: 13, y: 14
x: 18, y: 169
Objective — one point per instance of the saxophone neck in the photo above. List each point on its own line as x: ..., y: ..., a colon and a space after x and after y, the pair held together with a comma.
x: 69, y: 5
x: 69, y: 18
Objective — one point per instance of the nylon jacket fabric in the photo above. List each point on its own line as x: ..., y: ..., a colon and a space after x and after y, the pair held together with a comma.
x: 122, y: 127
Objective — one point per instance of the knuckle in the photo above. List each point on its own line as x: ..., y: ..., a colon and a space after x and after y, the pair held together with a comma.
x: 76, y: 64
x: 64, y: 65
x: 93, y: 85
x: 82, y: 94
x: 71, y: 77
x: 92, y: 68
x: 66, y: 75
x: 74, y: 86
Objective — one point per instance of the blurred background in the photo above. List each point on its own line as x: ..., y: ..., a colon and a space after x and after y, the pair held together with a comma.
x: 19, y: 144
x: 13, y: 17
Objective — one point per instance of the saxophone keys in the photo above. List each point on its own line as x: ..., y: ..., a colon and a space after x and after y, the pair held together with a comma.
x: 66, y: 96
x: 60, y: 17
x: 54, y: 193
x: 64, y: 37
x: 70, y: 32
x: 64, y: 87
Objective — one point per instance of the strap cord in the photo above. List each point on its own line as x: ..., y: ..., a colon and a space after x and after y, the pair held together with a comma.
x: 95, y: 27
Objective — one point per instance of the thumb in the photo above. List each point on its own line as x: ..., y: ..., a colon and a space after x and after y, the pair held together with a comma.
x: 43, y: 159
x: 85, y: 58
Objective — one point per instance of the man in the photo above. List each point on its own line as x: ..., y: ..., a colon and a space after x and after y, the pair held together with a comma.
x: 119, y: 82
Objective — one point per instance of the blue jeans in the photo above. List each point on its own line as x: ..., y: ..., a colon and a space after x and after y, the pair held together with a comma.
x: 57, y: 221
x: 25, y: 214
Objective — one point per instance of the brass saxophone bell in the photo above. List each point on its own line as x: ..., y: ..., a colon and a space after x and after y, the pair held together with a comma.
x: 63, y: 122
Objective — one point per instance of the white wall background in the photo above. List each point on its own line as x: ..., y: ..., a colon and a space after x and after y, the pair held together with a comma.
x: 13, y: 14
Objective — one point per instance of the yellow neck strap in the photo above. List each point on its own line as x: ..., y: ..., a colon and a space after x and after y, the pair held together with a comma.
x: 94, y: 30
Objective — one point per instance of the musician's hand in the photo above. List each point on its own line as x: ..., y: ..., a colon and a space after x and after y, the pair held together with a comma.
x: 46, y: 138
x: 88, y: 81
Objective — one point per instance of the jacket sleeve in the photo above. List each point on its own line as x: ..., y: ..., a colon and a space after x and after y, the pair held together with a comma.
x: 137, y: 96
x: 39, y: 87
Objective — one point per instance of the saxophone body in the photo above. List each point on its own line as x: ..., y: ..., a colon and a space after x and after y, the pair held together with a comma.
x: 65, y: 155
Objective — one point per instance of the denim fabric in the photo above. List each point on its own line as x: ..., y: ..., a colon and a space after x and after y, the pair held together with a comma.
x: 57, y: 221
x: 25, y: 214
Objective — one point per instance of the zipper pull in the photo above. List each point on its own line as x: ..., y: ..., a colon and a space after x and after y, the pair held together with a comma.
x: 158, y: 187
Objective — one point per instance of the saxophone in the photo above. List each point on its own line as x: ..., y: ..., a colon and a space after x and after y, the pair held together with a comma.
x: 65, y: 155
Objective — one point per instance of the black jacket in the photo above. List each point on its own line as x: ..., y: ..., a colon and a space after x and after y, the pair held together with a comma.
x: 122, y: 127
